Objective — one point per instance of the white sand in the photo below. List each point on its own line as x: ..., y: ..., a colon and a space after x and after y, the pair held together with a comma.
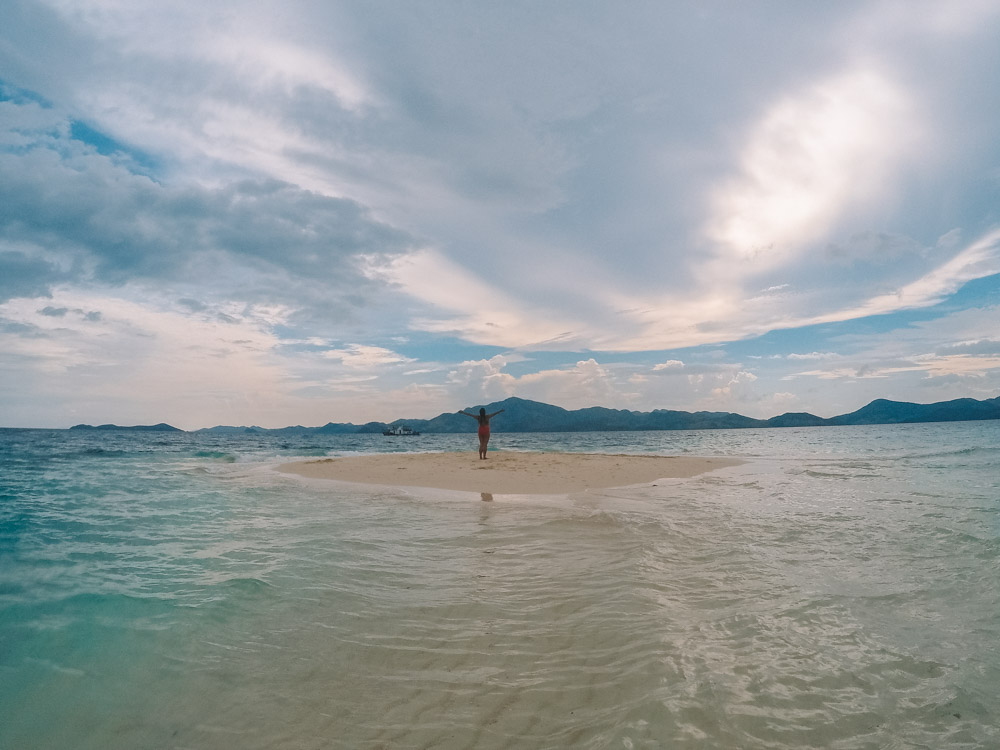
x: 506, y: 472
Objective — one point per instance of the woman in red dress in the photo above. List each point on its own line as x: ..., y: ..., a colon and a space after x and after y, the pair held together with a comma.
x: 484, y: 428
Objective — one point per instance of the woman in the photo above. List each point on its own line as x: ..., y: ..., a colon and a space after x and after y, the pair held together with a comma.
x: 484, y: 428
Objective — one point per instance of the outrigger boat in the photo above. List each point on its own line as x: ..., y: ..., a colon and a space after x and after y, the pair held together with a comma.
x: 398, y: 430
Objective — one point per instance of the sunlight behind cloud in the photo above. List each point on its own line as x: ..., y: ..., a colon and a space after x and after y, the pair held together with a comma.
x: 811, y: 156
x: 279, y: 62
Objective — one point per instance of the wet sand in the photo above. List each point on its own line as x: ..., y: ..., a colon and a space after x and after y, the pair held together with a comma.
x: 513, y: 472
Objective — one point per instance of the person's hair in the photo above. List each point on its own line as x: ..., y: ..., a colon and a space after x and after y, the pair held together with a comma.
x: 482, y: 410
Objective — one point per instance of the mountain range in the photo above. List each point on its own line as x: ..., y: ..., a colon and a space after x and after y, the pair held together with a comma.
x: 522, y: 415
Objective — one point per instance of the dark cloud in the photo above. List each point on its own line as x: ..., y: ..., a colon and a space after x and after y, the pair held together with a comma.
x: 92, y: 316
x: 24, y: 276
x: 23, y: 330
x: 192, y: 304
x: 110, y: 225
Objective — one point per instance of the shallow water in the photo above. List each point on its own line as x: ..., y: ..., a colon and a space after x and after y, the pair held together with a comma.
x: 839, y: 590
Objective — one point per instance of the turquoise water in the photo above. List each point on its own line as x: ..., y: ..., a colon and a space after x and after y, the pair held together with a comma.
x: 841, y: 589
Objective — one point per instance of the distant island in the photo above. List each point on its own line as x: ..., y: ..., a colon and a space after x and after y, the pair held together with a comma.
x: 161, y: 427
x: 522, y: 415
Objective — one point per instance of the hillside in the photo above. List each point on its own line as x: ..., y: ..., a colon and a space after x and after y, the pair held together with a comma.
x: 523, y: 415
x: 161, y: 427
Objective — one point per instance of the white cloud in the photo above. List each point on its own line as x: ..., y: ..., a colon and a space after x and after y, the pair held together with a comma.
x: 738, y: 387
x: 587, y: 383
x: 136, y: 359
x: 732, y: 318
x: 813, y: 155
x: 965, y: 365
x: 670, y: 364
x: 813, y: 355
x: 364, y: 357
x: 922, y: 17
x: 471, y: 308
x: 483, y: 378
x: 979, y: 259
x: 931, y: 365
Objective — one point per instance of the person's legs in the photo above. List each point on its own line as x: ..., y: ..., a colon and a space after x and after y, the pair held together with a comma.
x: 484, y: 438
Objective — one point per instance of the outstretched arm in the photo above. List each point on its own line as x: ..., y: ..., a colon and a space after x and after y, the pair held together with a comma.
x: 495, y: 413
x: 474, y: 416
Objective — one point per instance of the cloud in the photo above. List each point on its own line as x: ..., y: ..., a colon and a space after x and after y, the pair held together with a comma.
x: 501, y: 191
x: 135, y: 357
x: 92, y: 316
x: 738, y: 387
x: 363, y: 357
x: 732, y: 318
x: 956, y: 346
x: 865, y: 370
x: 880, y: 248
x: 964, y: 365
x: 483, y: 378
x: 978, y: 346
x: 979, y: 259
x: 813, y: 355
x: 327, y: 178
x: 466, y: 306
x: 670, y: 364
x: 813, y: 155
x: 70, y: 214
x: 586, y: 383
x: 22, y: 275
x: 589, y: 382
x: 931, y: 365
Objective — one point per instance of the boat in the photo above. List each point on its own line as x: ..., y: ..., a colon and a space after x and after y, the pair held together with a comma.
x: 399, y: 430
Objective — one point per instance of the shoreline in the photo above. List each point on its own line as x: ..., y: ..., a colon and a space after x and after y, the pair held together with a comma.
x: 506, y: 472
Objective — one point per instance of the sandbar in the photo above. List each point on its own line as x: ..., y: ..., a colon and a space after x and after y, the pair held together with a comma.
x: 506, y: 472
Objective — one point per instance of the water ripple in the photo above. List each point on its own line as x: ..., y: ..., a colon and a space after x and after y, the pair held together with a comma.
x: 842, y: 592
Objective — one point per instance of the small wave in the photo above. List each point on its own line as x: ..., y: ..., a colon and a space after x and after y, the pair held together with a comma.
x: 229, y: 593
x: 228, y: 458
x: 104, y: 452
x: 836, y: 475
x: 969, y: 451
x: 238, y: 584
x: 310, y: 450
x: 56, y: 667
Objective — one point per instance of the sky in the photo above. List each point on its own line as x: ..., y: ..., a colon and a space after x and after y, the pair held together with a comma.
x: 303, y: 211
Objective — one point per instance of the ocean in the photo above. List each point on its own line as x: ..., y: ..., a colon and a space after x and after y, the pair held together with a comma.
x: 840, y: 589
